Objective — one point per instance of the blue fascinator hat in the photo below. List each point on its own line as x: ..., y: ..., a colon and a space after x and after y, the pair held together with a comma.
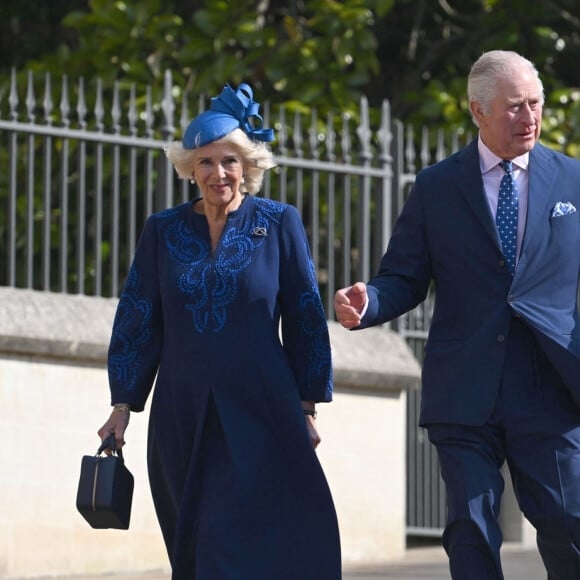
x: 228, y: 111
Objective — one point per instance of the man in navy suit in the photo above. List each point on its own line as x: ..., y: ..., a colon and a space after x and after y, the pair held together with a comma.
x: 501, y: 375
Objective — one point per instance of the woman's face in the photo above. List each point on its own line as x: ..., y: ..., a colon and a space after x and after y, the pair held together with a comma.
x: 218, y: 170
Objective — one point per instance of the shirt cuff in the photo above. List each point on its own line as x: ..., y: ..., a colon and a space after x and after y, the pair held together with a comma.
x: 365, y: 307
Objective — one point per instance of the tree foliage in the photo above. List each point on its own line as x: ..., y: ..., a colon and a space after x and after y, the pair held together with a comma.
x: 314, y: 52
x: 428, y: 47
x: 307, y: 53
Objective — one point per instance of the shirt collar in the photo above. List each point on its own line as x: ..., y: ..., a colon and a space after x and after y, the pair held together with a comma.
x: 489, y: 160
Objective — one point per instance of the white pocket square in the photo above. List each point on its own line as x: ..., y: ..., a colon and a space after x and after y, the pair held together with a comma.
x: 563, y: 208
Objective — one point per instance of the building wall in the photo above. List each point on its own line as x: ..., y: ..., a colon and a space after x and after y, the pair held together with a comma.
x: 54, y: 397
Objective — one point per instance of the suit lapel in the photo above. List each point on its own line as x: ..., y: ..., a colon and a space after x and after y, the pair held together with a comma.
x: 542, y: 174
x: 471, y: 185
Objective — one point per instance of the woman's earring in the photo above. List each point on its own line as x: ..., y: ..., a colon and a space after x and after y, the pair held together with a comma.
x: 192, y: 181
x: 243, y: 180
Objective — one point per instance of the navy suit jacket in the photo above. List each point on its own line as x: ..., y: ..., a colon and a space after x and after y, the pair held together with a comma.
x: 446, y: 236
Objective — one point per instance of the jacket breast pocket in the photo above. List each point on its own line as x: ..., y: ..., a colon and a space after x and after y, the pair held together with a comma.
x: 565, y: 234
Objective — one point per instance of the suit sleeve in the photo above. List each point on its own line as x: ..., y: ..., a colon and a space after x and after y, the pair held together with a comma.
x: 136, y: 341
x: 404, y: 273
x: 304, y: 325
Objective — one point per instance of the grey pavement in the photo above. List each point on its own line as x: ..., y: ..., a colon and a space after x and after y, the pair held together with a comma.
x: 431, y: 564
x: 421, y: 563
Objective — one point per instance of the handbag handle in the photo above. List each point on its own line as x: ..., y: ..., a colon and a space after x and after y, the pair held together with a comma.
x: 109, y: 443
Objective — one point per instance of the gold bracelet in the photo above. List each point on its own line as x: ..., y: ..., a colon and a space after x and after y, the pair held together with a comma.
x: 124, y: 407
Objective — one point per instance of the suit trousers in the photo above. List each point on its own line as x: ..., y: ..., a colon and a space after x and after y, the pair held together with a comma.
x: 535, y: 427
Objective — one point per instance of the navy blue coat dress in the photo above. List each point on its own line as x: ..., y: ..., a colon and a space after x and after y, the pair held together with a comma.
x: 237, y: 487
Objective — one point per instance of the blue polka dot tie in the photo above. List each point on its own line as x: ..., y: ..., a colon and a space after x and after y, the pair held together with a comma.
x: 507, y: 216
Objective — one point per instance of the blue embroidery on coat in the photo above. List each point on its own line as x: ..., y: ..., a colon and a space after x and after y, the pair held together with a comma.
x: 314, y: 326
x: 201, y: 276
x: 130, y: 332
x: 193, y: 255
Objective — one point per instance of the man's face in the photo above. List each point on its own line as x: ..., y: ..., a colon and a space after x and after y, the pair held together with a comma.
x: 513, y: 122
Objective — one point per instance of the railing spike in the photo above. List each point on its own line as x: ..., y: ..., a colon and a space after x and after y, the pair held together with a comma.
x: 82, y: 104
x: 282, y: 133
x: 385, y: 133
x: 47, y: 103
x: 149, y: 117
x: 297, y: 136
x: 13, y: 96
x: 313, y: 134
x: 30, y: 100
x: 116, y: 109
x: 330, y: 138
x: 65, y: 103
x: 132, y: 112
x: 168, y: 106
x: 99, y: 109
x: 345, y: 141
x: 185, y: 119
x: 440, y: 152
x: 425, y: 150
x: 410, y: 149
x: 364, y: 131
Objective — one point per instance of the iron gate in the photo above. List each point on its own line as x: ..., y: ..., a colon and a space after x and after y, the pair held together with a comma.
x: 77, y: 183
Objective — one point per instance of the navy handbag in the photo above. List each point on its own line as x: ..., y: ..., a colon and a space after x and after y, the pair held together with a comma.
x: 105, y: 490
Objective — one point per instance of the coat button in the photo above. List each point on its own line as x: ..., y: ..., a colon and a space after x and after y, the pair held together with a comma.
x: 501, y: 263
x: 500, y: 337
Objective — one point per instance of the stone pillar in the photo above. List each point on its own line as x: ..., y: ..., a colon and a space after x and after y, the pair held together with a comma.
x: 363, y: 450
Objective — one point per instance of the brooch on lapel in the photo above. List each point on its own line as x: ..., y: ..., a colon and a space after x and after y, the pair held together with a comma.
x: 563, y: 208
x: 259, y: 231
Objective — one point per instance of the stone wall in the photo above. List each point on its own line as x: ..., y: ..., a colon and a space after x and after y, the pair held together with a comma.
x: 54, y: 397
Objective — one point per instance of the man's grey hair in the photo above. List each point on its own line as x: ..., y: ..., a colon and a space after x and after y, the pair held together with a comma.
x: 489, y: 69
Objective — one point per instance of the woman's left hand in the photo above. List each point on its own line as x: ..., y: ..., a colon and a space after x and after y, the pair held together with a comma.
x: 312, y: 431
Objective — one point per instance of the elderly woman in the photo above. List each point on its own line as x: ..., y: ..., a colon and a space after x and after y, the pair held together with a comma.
x: 238, y: 489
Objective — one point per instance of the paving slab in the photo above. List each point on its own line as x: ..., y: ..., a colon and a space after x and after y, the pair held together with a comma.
x: 424, y: 563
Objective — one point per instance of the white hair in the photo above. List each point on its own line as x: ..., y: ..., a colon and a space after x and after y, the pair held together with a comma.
x: 490, y: 68
x: 257, y: 158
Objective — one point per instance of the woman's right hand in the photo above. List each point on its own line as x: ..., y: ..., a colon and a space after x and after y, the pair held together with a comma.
x: 115, y: 425
x: 312, y: 431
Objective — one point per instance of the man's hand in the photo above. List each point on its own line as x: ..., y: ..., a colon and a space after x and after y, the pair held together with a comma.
x: 349, y: 303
